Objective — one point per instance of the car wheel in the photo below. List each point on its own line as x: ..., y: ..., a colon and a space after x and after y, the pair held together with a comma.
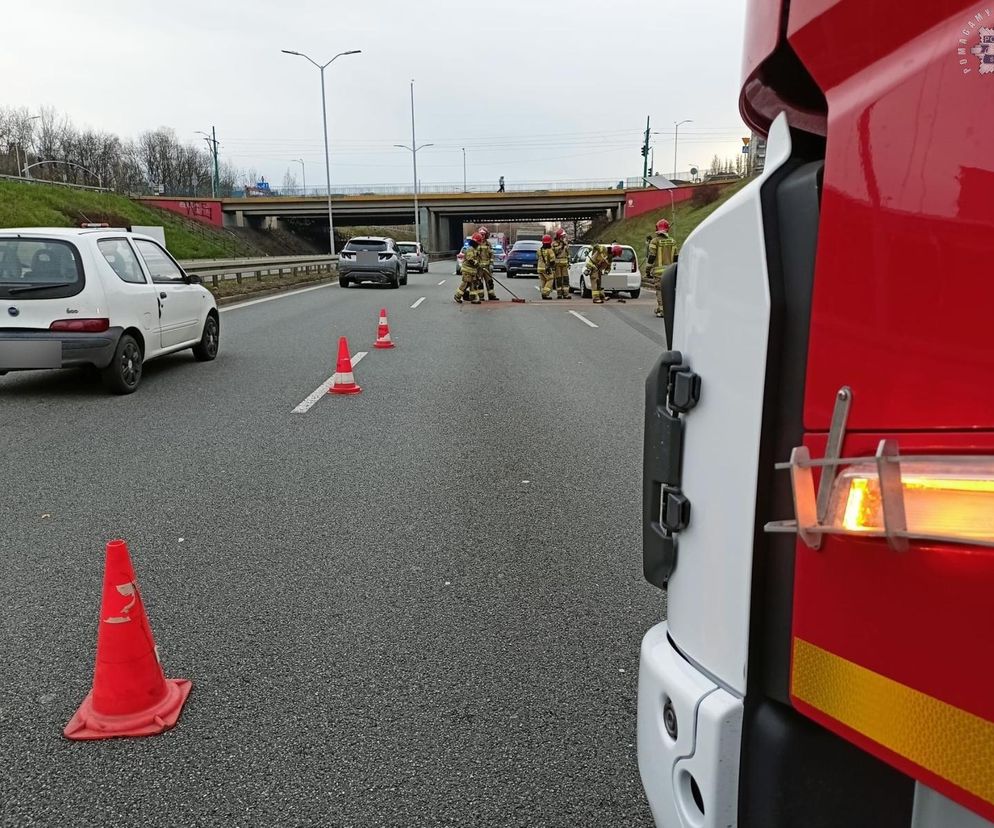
x: 635, y: 293
x: 584, y: 293
x: 125, y: 370
x: 394, y: 281
x: 206, y: 349
x: 343, y: 282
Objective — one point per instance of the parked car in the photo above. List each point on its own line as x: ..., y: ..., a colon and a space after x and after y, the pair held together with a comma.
x: 625, y: 275
x: 574, y: 250
x: 523, y: 258
x: 372, y: 259
x: 500, y: 257
x: 414, y: 255
x: 106, y: 298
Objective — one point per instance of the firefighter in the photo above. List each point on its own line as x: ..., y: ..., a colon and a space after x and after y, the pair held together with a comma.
x: 662, y: 248
x: 561, y: 250
x: 471, y: 272
x: 598, y: 263
x: 547, y: 267
x: 487, y: 265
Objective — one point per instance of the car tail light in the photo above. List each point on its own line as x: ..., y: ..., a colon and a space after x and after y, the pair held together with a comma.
x: 634, y: 267
x: 80, y: 325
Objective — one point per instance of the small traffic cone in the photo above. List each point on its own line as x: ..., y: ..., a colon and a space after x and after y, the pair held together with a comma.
x: 344, y: 379
x: 130, y: 695
x: 383, y: 339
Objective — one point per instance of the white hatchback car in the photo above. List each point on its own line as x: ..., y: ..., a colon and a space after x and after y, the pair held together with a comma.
x: 107, y: 298
x: 624, y: 276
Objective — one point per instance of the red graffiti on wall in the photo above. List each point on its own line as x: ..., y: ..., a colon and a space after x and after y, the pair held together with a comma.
x: 203, y: 210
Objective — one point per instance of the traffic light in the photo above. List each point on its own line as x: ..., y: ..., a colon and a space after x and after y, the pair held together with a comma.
x: 645, y: 150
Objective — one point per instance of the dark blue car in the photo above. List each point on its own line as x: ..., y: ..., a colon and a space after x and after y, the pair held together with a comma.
x: 523, y: 258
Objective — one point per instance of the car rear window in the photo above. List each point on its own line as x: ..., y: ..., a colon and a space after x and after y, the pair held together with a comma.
x: 407, y: 247
x: 366, y: 244
x: 39, y: 269
x: 627, y: 255
x: 526, y: 245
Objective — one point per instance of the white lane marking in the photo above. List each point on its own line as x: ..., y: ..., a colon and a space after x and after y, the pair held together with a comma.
x: 324, y: 387
x: 584, y: 319
x: 251, y: 302
x: 536, y: 287
x: 418, y: 302
x: 441, y: 283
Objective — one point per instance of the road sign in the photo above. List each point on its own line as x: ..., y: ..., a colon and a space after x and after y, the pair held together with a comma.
x: 746, y: 139
x: 745, y: 150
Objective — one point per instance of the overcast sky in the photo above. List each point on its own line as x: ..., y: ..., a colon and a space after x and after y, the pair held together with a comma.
x: 535, y: 91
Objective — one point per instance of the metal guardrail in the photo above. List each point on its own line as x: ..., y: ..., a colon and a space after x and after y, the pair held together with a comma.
x: 219, y: 270
x: 25, y: 180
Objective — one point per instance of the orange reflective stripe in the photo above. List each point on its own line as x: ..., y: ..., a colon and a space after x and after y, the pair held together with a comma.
x: 950, y: 742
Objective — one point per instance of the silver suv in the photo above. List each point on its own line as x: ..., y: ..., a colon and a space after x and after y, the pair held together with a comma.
x: 372, y: 259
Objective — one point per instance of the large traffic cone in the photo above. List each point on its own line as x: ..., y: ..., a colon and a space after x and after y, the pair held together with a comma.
x: 344, y: 378
x: 130, y: 695
x: 383, y: 339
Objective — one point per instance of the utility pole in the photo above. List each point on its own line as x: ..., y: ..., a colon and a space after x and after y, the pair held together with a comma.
x: 645, y: 152
x: 464, y: 170
x: 217, y: 172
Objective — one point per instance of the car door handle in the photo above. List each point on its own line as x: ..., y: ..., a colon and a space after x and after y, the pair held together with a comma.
x: 162, y: 294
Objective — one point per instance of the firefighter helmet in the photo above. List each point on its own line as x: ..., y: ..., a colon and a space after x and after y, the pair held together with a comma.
x: 476, y: 237
x: 560, y: 233
x: 662, y: 226
x: 615, y: 249
x: 546, y: 239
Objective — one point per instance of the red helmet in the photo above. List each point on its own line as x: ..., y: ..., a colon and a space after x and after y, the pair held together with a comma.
x: 546, y: 239
x: 477, y: 238
x: 483, y: 232
x: 560, y: 233
x: 662, y: 226
x: 615, y: 249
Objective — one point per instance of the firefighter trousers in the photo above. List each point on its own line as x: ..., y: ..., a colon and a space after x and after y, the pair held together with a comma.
x: 562, y: 280
x: 548, y: 282
x: 470, y: 284
x: 593, y: 278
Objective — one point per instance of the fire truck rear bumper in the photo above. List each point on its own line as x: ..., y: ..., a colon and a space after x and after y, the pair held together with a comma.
x: 689, y: 739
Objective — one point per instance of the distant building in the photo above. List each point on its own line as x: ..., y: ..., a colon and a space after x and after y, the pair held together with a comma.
x: 757, y: 154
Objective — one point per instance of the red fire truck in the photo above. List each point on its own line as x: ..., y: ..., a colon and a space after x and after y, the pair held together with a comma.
x: 819, y: 442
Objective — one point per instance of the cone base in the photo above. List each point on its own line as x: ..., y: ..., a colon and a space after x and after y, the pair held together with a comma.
x: 344, y: 389
x: 86, y: 723
x: 387, y: 344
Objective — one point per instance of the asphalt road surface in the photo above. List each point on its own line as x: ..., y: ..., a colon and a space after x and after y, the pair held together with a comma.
x: 418, y: 606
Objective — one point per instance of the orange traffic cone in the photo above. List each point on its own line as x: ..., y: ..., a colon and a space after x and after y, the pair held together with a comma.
x: 344, y: 378
x: 383, y: 339
x: 130, y: 695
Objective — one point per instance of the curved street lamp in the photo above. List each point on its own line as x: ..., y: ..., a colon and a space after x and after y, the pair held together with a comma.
x: 676, y: 137
x: 66, y: 163
x: 324, y: 116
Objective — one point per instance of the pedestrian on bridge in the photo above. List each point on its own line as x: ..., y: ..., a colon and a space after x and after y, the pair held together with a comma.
x: 500, y: 189
x: 561, y: 250
x: 598, y: 263
x: 662, y: 250
x: 470, y: 270
x: 487, y: 265
x: 547, y: 267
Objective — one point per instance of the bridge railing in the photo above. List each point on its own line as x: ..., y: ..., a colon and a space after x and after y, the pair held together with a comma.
x: 456, y: 188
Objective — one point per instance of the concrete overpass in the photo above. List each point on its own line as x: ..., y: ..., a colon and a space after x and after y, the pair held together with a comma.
x: 442, y: 214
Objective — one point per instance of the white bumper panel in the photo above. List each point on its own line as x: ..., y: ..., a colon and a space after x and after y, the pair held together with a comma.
x: 691, y: 781
x: 721, y: 326
x: 933, y: 810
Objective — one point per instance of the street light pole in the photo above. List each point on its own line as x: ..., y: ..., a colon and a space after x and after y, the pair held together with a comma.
x: 324, y: 116
x: 464, y: 189
x: 303, y: 174
x: 414, y: 154
x: 676, y: 137
x: 215, y: 175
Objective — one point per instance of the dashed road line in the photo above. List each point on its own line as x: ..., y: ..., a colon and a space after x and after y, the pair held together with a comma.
x: 441, y: 283
x: 418, y: 302
x: 584, y: 319
x: 323, y: 388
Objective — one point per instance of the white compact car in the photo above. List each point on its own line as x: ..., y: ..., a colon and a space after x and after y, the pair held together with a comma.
x: 107, y: 298
x: 624, y: 276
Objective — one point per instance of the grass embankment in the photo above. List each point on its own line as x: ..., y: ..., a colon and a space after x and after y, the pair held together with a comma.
x: 230, y: 288
x: 40, y: 205
x: 684, y: 219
